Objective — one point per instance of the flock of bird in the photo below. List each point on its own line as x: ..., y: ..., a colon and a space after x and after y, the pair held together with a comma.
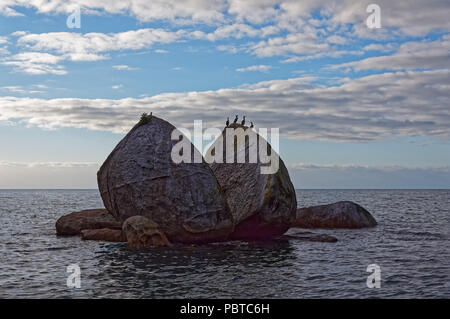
x: 227, y: 122
x: 235, y: 121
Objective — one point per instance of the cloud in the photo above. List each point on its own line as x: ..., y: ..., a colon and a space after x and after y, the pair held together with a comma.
x: 45, y: 51
x: 306, y: 42
x: 379, y: 47
x: 416, y: 18
x: 9, y: 12
x: 237, y: 31
x: 35, y: 63
x: 192, y: 11
x: 123, y: 67
x: 353, y: 176
x: 330, y: 53
x: 295, y: 30
x: 21, y: 90
x: 259, y: 68
x: 384, y: 168
x: 88, y: 46
x: 49, y: 164
x: 370, y: 108
x: 410, y: 55
x: 117, y: 86
x: 48, y: 175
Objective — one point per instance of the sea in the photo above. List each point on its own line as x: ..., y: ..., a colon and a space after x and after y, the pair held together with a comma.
x: 409, y: 250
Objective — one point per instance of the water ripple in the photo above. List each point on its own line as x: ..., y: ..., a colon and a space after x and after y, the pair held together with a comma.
x: 410, y: 244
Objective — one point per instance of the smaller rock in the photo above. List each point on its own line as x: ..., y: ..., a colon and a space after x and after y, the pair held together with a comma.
x: 141, y: 233
x: 104, y: 234
x: 73, y: 223
x: 308, y: 236
x: 337, y: 215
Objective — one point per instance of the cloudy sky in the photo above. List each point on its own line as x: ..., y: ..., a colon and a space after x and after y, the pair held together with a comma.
x: 356, y: 107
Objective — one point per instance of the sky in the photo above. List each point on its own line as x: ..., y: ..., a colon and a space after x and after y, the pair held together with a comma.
x: 356, y: 107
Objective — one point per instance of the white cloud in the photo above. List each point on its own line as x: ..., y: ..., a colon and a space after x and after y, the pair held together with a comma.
x: 259, y: 68
x: 355, y: 176
x: 9, y: 12
x: 237, y: 31
x: 336, y: 39
x: 123, y: 67
x: 46, y: 51
x: 35, y: 63
x: 379, y: 47
x: 306, y: 42
x: 410, y: 55
x: 286, y: 28
x: 385, y: 168
x: 411, y: 18
x: 48, y: 175
x: 330, y: 53
x: 48, y: 164
x: 191, y: 11
x: 371, y: 108
x: 20, y: 89
x: 88, y: 46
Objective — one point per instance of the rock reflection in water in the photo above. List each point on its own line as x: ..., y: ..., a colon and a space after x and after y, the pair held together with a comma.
x: 215, y: 270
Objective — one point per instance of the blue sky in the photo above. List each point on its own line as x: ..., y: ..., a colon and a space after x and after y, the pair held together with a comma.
x: 356, y: 107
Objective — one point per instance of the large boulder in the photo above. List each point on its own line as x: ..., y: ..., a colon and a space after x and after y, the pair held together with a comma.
x: 73, y: 223
x: 139, y: 177
x: 343, y: 214
x: 263, y: 202
x: 143, y: 233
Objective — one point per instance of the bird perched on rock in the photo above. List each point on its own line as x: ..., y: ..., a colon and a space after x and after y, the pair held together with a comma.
x: 235, y: 120
x: 243, y: 121
x: 251, y: 124
x: 228, y: 121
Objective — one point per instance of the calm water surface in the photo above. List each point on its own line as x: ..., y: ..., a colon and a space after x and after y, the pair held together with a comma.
x: 410, y: 244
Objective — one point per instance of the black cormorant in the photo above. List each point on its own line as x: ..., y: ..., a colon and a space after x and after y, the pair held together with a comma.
x: 243, y: 121
x: 228, y: 121
x: 235, y: 120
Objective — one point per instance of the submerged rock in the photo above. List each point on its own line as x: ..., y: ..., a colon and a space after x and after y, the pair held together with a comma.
x: 263, y: 205
x: 308, y: 236
x: 140, y: 178
x: 343, y: 214
x: 143, y: 233
x: 73, y: 223
x: 104, y: 234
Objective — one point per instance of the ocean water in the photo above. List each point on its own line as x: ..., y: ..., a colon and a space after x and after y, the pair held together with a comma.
x: 410, y: 244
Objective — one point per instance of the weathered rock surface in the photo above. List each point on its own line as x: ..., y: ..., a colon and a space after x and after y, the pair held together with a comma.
x: 308, y: 236
x: 143, y: 233
x: 343, y: 214
x: 104, y: 234
x: 140, y: 178
x: 263, y: 205
x: 73, y: 223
